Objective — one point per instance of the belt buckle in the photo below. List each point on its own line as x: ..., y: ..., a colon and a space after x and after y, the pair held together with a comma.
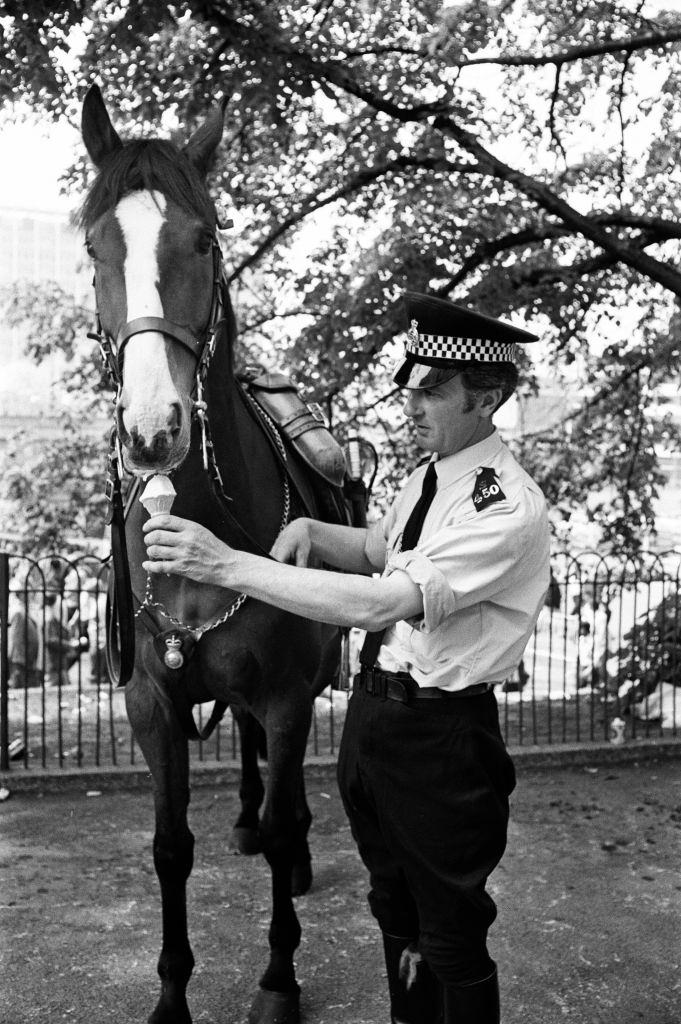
x: 369, y: 681
x: 376, y: 685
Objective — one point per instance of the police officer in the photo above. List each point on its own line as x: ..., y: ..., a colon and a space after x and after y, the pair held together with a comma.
x: 464, y: 560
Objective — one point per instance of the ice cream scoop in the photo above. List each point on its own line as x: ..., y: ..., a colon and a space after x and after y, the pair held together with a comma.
x: 158, y: 496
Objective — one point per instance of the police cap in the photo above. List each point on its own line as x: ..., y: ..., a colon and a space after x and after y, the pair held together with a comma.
x: 442, y: 336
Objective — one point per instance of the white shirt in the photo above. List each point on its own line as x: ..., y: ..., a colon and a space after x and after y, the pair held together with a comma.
x: 483, y: 574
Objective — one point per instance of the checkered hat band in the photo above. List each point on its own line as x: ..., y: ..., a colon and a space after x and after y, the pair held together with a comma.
x: 437, y: 346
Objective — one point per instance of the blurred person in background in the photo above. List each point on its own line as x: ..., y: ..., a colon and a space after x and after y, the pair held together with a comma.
x: 62, y: 650
x: 23, y: 643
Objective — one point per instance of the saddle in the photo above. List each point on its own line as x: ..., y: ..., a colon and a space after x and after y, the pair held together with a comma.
x: 302, y: 424
x: 308, y: 440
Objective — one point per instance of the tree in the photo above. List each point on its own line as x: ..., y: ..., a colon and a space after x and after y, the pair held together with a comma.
x: 53, y: 491
x: 516, y: 155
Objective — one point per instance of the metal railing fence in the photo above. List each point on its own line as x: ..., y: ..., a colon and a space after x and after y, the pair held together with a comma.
x: 607, y: 646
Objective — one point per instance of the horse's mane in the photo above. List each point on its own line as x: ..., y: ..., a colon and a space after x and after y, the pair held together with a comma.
x: 153, y: 164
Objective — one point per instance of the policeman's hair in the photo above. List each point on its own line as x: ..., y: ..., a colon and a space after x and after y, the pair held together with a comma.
x: 478, y: 377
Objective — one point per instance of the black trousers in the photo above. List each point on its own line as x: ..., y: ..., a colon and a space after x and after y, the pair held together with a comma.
x: 426, y: 789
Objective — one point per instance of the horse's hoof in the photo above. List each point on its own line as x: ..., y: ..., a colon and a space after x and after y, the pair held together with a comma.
x: 246, y: 840
x: 301, y: 878
x: 275, y: 1007
x: 177, y: 1013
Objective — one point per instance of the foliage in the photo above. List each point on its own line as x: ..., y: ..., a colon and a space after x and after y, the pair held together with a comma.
x: 519, y: 156
x: 53, y: 492
x: 652, y: 649
x: 59, y: 324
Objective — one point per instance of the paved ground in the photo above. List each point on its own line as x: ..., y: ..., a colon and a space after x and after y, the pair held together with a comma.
x: 589, y: 896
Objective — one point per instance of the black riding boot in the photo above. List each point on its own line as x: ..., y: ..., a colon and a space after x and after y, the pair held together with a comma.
x: 415, y: 992
x: 473, y: 1004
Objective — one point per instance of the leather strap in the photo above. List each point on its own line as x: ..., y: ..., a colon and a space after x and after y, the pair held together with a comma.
x: 121, y: 613
x: 299, y: 424
x: 157, y: 323
x: 182, y: 707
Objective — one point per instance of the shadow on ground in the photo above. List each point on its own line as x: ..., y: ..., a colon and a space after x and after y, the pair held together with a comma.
x: 589, y: 896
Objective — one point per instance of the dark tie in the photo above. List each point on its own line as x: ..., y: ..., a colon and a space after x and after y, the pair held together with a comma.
x: 410, y: 535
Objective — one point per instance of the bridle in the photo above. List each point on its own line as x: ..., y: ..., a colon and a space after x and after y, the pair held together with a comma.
x: 202, y: 348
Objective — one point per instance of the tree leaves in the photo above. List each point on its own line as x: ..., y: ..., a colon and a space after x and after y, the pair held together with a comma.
x: 520, y: 157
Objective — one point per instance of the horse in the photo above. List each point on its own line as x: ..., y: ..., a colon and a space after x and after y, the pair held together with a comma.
x: 168, y: 330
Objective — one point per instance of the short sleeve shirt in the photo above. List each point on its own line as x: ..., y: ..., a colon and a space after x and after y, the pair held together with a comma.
x: 483, y: 570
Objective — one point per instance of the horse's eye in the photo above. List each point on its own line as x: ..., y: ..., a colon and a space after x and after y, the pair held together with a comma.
x: 90, y: 249
x: 204, y: 243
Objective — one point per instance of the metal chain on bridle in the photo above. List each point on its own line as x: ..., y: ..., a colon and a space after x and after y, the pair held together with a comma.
x: 204, y: 352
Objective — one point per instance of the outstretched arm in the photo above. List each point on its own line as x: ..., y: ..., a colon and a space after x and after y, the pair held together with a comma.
x: 184, y: 548
x: 346, y: 547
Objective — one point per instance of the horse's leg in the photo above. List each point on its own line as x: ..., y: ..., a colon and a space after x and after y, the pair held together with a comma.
x: 302, y: 866
x: 287, y: 726
x: 245, y: 834
x: 302, y: 863
x: 165, y: 750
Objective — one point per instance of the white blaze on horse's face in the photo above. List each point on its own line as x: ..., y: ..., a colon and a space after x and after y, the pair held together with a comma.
x: 154, y: 418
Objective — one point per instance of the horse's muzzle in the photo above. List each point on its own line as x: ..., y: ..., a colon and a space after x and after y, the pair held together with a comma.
x: 160, y: 450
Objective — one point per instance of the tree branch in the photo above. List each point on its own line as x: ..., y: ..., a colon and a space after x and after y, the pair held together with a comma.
x: 267, y: 318
x: 545, y: 198
x: 354, y: 183
x: 552, y: 111
x: 653, y: 231
x: 577, y: 52
x: 383, y: 51
x: 620, y: 115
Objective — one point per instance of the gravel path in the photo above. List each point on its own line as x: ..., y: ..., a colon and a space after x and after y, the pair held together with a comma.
x: 589, y: 895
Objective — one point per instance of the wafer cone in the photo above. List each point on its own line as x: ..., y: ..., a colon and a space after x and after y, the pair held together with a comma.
x: 158, y: 496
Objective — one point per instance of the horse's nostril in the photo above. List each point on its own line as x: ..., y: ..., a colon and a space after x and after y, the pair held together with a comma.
x: 122, y: 429
x: 137, y: 441
x: 159, y: 445
x: 174, y: 418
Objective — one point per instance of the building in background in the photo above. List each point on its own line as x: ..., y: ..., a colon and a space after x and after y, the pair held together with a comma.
x: 35, y: 246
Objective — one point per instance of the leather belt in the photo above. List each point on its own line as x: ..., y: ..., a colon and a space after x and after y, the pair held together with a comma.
x: 401, y: 687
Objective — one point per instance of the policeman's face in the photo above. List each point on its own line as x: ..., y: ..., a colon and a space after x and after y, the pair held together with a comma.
x: 447, y: 418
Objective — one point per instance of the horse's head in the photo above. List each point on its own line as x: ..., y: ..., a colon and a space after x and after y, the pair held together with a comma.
x: 150, y: 232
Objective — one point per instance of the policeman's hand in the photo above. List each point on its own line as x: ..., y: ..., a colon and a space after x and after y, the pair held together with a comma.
x: 293, y: 543
x: 183, y: 548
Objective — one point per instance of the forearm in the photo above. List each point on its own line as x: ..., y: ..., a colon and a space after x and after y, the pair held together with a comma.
x: 320, y: 594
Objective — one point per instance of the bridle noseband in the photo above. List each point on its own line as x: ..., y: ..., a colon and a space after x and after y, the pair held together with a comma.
x: 163, y: 326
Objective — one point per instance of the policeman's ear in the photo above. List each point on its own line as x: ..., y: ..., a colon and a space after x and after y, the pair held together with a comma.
x: 489, y: 401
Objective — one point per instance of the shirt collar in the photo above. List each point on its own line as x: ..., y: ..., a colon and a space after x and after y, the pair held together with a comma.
x: 455, y: 466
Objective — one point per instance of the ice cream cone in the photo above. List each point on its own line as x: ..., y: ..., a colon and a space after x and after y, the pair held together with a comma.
x: 158, y: 496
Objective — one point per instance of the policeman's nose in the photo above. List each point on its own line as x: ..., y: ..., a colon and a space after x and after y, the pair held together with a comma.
x: 412, y: 403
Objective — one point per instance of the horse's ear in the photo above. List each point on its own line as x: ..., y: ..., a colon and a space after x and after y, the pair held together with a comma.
x: 205, y: 140
x: 99, y: 135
